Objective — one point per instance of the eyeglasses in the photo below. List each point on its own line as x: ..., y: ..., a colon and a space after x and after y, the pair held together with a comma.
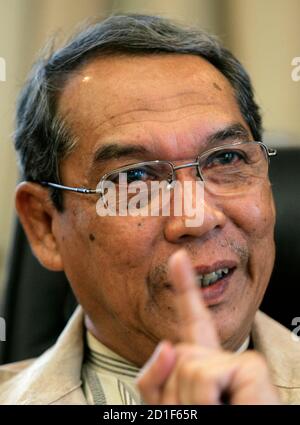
x: 230, y: 169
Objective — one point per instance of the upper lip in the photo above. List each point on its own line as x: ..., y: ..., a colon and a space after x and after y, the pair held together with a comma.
x: 205, y: 269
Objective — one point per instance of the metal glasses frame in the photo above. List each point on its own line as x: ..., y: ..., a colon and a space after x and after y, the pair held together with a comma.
x: 269, y: 152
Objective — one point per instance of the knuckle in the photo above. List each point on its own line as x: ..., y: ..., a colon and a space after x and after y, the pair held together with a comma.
x: 194, y: 371
x: 187, y: 351
x: 185, y: 371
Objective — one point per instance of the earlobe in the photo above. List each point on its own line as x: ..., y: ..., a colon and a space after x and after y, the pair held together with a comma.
x: 36, y: 213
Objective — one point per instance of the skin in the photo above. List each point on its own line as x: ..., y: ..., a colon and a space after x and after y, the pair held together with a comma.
x: 117, y: 266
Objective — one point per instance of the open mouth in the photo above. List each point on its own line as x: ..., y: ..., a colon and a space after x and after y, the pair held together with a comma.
x: 208, y: 279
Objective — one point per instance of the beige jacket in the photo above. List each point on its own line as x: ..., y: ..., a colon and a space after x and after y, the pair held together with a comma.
x: 55, y: 376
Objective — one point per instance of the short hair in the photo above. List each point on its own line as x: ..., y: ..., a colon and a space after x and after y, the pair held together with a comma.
x: 42, y: 137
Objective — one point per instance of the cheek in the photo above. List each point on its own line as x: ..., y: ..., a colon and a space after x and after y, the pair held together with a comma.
x: 124, y: 251
x: 254, y: 215
x: 127, y: 235
x: 260, y: 217
x: 125, y: 244
x: 108, y: 253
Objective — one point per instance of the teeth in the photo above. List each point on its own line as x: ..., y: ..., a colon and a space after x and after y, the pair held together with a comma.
x: 210, y: 278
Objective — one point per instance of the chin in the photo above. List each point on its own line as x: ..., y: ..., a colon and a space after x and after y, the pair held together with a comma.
x: 233, y: 328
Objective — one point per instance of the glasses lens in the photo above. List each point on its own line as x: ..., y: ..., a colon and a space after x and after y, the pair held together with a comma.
x: 235, y: 168
x: 144, y: 172
x: 139, y: 185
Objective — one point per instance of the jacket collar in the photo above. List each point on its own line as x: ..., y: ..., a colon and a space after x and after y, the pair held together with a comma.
x: 281, y: 351
x: 57, y: 371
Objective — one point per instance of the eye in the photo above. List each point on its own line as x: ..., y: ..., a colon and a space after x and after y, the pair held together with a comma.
x: 135, y: 174
x: 225, y: 157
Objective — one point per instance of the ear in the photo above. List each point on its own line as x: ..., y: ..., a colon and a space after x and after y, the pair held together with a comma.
x: 37, y: 213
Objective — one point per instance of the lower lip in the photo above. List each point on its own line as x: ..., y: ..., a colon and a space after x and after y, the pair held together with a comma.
x: 214, y: 294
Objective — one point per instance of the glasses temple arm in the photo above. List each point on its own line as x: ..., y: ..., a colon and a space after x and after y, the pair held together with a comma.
x: 71, y: 189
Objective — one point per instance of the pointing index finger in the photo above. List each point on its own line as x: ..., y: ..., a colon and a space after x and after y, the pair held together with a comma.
x: 195, y: 321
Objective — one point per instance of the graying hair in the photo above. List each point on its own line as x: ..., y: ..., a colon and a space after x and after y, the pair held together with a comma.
x: 43, y: 139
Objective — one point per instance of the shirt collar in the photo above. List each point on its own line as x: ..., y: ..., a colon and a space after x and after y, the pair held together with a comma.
x: 102, y: 358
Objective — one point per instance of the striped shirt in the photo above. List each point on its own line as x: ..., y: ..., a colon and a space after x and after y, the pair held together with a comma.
x: 108, y: 378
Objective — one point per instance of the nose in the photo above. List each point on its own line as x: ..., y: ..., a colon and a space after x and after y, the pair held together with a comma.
x: 176, y: 229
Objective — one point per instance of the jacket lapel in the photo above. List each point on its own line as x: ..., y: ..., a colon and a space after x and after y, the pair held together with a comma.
x: 55, y: 377
x: 282, y: 353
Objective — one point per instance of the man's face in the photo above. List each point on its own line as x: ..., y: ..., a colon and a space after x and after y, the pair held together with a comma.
x: 164, y: 107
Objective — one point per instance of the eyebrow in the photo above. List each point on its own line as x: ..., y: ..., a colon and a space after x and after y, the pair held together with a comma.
x: 111, y: 151
x: 115, y: 151
x: 235, y: 130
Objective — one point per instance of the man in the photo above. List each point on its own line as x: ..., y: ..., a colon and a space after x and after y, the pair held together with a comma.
x: 178, y: 302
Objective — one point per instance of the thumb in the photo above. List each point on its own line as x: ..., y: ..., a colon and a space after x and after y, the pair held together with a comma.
x: 155, y: 372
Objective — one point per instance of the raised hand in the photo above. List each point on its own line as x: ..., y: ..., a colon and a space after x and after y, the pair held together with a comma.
x: 197, y: 370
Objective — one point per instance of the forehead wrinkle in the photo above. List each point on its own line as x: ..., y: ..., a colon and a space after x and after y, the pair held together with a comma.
x: 120, y: 118
x: 165, y: 104
x: 153, y: 100
x: 155, y: 120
